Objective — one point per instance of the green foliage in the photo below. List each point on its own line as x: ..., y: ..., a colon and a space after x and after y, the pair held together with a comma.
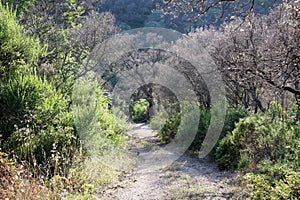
x: 109, y: 123
x: 36, y: 123
x: 60, y: 36
x: 18, y: 97
x: 268, y: 146
x: 92, y: 116
x: 233, y: 115
x: 139, y: 110
x: 101, y: 132
x: 74, y: 13
x: 259, y: 137
x: 16, y: 49
x: 51, y: 151
x: 170, y: 128
x: 63, y: 60
x: 168, y: 121
x: 158, y: 120
x: 204, y: 122
x: 27, y: 100
x: 274, y: 181
x: 18, y: 5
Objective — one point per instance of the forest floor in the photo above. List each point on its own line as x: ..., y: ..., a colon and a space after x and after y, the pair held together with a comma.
x: 186, y: 178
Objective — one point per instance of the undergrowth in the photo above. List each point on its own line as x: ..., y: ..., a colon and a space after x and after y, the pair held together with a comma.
x: 17, y: 182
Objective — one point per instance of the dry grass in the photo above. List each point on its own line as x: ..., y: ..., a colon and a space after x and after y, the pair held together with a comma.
x: 92, y: 174
x: 18, y: 183
x: 184, y: 187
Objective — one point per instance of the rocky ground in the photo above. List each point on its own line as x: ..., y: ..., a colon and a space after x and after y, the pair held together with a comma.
x: 186, y: 178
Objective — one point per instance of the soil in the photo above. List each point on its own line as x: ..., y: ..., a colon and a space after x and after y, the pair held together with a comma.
x: 186, y: 178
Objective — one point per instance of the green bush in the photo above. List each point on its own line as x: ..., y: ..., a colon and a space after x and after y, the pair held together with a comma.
x: 268, y: 146
x: 110, y: 123
x: 233, y: 115
x: 170, y: 127
x: 258, y: 137
x: 36, y: 123
x: 51, y: 151
x: 139, y: 110
x: 37, y: 126
x: 167, y: 120
x: 204, y: 122
x: 29, y: 101
x: 93, y: 118
x: 16, y: 49
x: 19, y: 97
x: 274, y: 181
x: 19, y: 5
x: 158, y: 120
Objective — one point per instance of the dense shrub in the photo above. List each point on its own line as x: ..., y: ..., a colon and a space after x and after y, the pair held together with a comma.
x: 19, y: 5
x: 95, y: 123
x: 113, y: 127
x: 139, y: 110
x: 29, y: 101
x: 204, y: 122
x: 258, y: 137
x: 36, y: 124
x: 275, y: 181
x: 170, y: 128
x: 101, y: 131
x: 16, y: 49
x: 171, y: 123
x: 233, y: 115
x: 41, y: 129
x: 168, y: 119
x: 267, y: 145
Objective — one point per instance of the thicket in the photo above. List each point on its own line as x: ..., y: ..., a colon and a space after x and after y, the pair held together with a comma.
x: 38, y: 128
x: 168, y: 125
x: 266, y: 146
x: 17, y: 51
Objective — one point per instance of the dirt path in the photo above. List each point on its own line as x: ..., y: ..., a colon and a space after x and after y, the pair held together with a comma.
x: 186, y: 178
